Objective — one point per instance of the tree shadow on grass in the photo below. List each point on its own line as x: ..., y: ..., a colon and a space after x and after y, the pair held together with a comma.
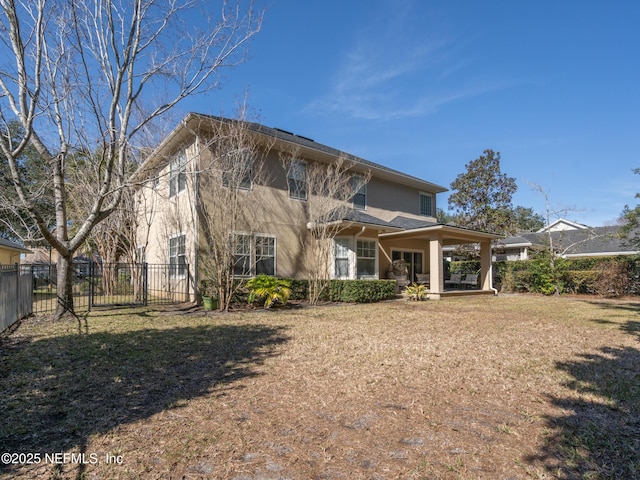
x: 598, y: 436
x: 57, y: 392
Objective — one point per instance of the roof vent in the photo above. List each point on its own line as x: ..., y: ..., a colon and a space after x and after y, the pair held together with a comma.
x: 283, y: 131
x: 305, y: 138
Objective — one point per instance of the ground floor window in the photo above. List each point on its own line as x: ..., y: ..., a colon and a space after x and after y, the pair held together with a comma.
x: 265, y: 255
x: 341, y: 258
x: 254, y: 254
x: 366, y: 258
x: 177, y: 256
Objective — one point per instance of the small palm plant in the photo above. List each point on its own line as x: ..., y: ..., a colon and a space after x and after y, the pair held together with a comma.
x: 416, y: 291
x: 269, y: 288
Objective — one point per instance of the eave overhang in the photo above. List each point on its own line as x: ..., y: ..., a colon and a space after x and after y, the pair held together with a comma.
x: 450, y: 235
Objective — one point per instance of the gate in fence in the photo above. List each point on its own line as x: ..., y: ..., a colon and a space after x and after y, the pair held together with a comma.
x: 109, y: 285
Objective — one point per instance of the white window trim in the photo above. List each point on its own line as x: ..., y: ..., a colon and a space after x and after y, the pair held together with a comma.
x: 306, y: 193
x: 249, y: 159
x: 275, y: 251
x: 181, y: 275
x: 252, y: 252
x: 362, y: 191
x: 351, y: 259
x: 176, y: 178
x: 376, y: 267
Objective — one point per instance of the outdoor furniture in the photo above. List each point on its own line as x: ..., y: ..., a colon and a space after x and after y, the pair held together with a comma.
x: 423, y: 278
x: 470, y: 280
x: 399, y: 272
x: 455, y: 280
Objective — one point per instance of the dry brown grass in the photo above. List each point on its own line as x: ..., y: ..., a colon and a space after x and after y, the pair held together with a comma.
x: 472, y: 388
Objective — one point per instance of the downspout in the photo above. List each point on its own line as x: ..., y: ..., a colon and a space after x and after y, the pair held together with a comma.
x: 196, y: 222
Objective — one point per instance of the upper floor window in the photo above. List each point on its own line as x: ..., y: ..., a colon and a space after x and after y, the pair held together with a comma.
x: 177, y: 174
x: 297, y: 179
x: 426, y: 204
x: 238, y: 170
x: 360, y: 197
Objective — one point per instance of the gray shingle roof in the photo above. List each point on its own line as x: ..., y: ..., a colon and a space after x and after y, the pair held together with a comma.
x: 7, y: 243
x: 309, y: 143
x: 406, y: 223
x: 590, y: 241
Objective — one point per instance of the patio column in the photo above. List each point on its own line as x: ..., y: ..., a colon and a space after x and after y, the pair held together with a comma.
x: 435, y: 268
x: 486, y: 268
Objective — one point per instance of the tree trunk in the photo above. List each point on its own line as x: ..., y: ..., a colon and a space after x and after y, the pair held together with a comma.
x: 65, y: 286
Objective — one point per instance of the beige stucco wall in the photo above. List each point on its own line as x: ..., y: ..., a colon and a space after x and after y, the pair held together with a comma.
x: 386, y: 200
x: 9, y: 256
x: 161, y: 217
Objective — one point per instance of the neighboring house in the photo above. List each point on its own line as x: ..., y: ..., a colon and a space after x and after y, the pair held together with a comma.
x: 563, y: 224
x: 391, y: 217
x: 570, y: 240
x: 10, y: 252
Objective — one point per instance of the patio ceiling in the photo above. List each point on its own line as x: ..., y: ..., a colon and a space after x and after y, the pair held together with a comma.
x: 449, y: 234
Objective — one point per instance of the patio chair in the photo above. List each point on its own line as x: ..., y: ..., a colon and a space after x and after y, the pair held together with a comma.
x: 455, y: 280
x: 470, y: 280
x: 423, y: 278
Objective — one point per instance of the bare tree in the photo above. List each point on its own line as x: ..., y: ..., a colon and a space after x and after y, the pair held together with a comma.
x: 90, y: 76
x: 329, y: 189
x: 229, y: 174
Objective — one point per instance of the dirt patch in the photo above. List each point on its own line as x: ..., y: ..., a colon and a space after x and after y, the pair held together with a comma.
x: 482, y: 388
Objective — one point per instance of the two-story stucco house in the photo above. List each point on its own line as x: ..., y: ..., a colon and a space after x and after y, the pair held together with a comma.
x: 391, y: 217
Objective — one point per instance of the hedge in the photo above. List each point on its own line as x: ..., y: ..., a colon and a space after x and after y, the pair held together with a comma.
x: 349, y: 291
x: 592, y: 275
x: 361, y: 291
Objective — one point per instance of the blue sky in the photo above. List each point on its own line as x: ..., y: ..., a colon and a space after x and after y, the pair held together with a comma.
x: 426, y: 86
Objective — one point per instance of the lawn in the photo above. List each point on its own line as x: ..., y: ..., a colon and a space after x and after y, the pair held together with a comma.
x: 508, y: 387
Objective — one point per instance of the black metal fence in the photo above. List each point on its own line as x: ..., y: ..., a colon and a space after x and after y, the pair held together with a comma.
x: 109, y: 285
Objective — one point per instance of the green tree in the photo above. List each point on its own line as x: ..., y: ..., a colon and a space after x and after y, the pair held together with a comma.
x: 527, y: 220
x: 445, y: 217
x: 34, y: 174
x: 481, y: 197
x: 631, y: 221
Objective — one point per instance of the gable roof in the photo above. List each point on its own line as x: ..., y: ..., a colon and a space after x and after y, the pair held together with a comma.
x: 583, y: 242
x: 193, y: 122
x: 563, y: 224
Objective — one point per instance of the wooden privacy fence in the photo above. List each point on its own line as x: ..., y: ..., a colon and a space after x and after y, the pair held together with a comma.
x: 16, y: 294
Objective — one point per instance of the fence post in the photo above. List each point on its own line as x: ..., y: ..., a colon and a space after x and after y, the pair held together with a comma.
x: 91, y: 283
x: 17, y: 267
x: 145, y: 283
x: 187, y: 298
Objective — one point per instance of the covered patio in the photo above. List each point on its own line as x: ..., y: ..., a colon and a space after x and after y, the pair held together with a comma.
x: 431, y: 239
